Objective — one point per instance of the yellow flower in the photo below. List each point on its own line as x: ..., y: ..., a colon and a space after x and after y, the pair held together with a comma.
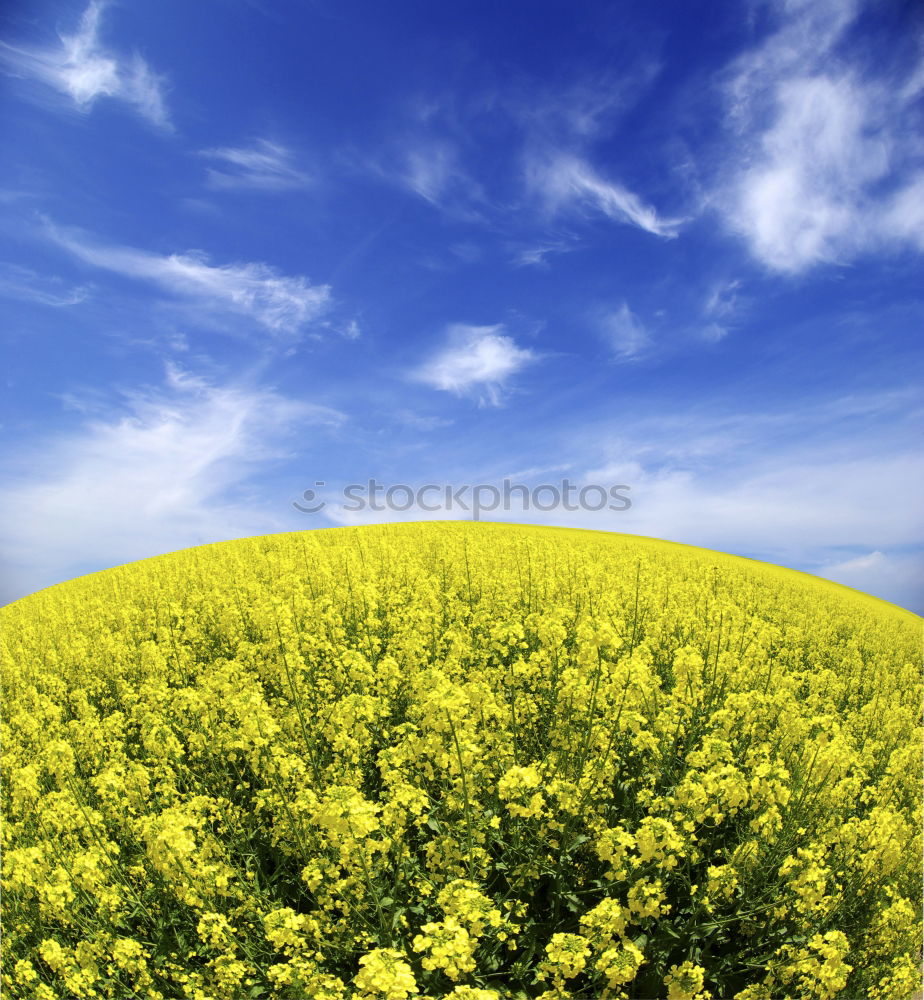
x: 384, y: 973
x: 566, y: 956
x: 298, y: 749
x: 448, y: 946
x: 685, y: 982
x: 620, y: 964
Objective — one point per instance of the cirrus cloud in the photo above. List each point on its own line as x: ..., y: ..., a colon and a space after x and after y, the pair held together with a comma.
x: 282, y: 304
x: 262, y: 166
x: 564, y: 180
x: 83, y: 69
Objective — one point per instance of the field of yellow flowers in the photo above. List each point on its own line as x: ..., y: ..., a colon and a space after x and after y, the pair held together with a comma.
x: 464, y: 760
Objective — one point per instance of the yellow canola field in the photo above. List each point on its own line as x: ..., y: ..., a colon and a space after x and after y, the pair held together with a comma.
x: 463, y: 760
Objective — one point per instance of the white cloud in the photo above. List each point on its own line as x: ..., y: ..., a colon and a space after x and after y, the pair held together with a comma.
x: 712, y: 333
x: 567, y: 181
x: 265, y: 166
x: 429, y: 170
x: 903, y: 217
x: 722, y: 300
x: 789, y: 503
x: 586, y: 107
x: 83, y: 70
x: 17, y: 282
x: 534, y: 255
x: 819, y: 163
x: 420, y: 422
x: 803, y: 201
x: 350, y: 330
x: 477, y: 359
x: 427, y: 166
x: 173, y: 467
x: 280, y: 303
x: 895, y: 574
x: 626, y: 335
x: 719, y: 310
x: 806, y: 32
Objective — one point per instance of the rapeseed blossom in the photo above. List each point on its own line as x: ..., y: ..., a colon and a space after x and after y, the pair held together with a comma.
x: 468, y: 761
x: 384, y: 973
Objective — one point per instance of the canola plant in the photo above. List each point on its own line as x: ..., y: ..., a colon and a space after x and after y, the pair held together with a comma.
x: 477, y: 761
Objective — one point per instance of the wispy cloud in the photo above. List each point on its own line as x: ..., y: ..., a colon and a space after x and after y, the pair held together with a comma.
x: 419, y: 421
x: 565, y: 181
x: 348, y: 329
x: 431, y: 168
x: 475, y: 360
x: 826, y: 163
x: 719, y: 310
x: 27, y: 285
x: 583, y: 108
x: 626, y: 335
x: 81, y: 68
x: 280, y: 303
x: 806, y: 32
x: 169, y: 467
x: 895, y: 574
x: 263, y: 166
x: 536, y: 254
x: 903, y: 216
x: 722, y: 300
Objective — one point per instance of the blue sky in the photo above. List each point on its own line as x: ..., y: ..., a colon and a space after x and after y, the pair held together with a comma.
x: 248, y: 247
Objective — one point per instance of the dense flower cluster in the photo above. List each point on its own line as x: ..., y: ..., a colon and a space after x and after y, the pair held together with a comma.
x: 468, y: 761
